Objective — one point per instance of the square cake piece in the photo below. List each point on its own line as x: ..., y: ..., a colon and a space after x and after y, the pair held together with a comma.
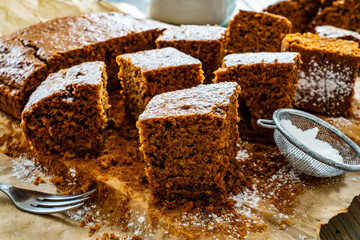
x: 327, y: 76
x: 256, y: 32
x: 334, y: 32
x: 189, y: 140
x: 205, y: 43
x: 268, y: 82
x: 148, y: 73
x: 67, y: 113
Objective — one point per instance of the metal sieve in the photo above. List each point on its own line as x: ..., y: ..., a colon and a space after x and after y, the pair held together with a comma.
x: 300, y: 156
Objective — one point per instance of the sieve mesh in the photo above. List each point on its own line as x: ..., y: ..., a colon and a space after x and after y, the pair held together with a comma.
x: 305, y: 160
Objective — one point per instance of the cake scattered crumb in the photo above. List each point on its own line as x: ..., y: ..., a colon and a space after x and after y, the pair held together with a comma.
x: 93, y: 229
x: 38, y: 180
x: 82, y: 223
x: 58, y: 181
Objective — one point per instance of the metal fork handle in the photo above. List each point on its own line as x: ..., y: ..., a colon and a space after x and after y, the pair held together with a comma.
x: 4, y: 187
x: 266, y: 123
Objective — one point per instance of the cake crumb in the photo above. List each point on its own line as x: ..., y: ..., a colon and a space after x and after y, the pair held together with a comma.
x: 38, y: 180
x: 94, y: 229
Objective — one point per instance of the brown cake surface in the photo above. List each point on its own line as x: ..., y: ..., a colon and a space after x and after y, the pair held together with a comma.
x: 189, y: 139
x: 256, y: 32
x: 334, y: 32
x: 299, y: 12
x: 268, y: 82
x: 64, y: 42
x: 145, y: 74
x: 67, y: 113
x: 342, y: 14
x: 202, y: 42
x: 20, y: 73
x: 328, y: 74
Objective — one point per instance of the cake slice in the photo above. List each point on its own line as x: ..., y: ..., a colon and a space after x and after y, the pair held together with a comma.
x: 327, y: 76
x: 268, y: 82
x: 32, y: 53
x: 67, y: 113
x: 202, y: 42
x: 256, y: 32
x: 148, y: 73
x: 189, y: 138
x: 21, y: 72
x: 334, y: 32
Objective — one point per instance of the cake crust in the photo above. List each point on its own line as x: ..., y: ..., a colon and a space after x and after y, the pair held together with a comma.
x: 145, y: 74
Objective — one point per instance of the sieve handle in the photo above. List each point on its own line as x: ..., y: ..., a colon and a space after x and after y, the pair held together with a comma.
x: 266, y: 123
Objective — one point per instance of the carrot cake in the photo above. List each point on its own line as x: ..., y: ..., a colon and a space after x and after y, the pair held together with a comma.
x: 67, y: 113
x: 268, y: 82
x: 202, y: 42
x: 189, y: 141
x: 256, y: 32
x: 334, y: 32
x: 328, y: 73
x: 148, y: 73
x: 64, y: 42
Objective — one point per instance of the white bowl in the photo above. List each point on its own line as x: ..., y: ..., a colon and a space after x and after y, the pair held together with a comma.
x: 188, y: 11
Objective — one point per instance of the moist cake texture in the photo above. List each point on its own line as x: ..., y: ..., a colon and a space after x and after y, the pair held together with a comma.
x: 268, y: 82
x: 299, y: 12
x: 67, y: 113
x: 63, y: 42
x: 334, y: 32
x: 256, y: 32
x: 148, y: 73
x: 189, y: 140
x: 342, y: 14
x: 20, y: 73
x: 205, y: 43
x: 327, y: 76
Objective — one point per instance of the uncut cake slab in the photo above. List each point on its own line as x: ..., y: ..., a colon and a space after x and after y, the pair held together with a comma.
x: 277, y: 203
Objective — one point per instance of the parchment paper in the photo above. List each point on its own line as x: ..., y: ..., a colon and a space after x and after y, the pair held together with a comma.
x: 315, y: 206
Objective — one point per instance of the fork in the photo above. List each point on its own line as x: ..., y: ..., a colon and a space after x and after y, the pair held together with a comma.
x: 43, y: 203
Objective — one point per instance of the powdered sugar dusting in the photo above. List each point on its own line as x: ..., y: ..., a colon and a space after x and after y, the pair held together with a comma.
x: 72, y: 172
x: 26, y: 170
x: 82, y: 214
x: 242, y: 155
x: 324, y: 85
x: 308, y: 138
